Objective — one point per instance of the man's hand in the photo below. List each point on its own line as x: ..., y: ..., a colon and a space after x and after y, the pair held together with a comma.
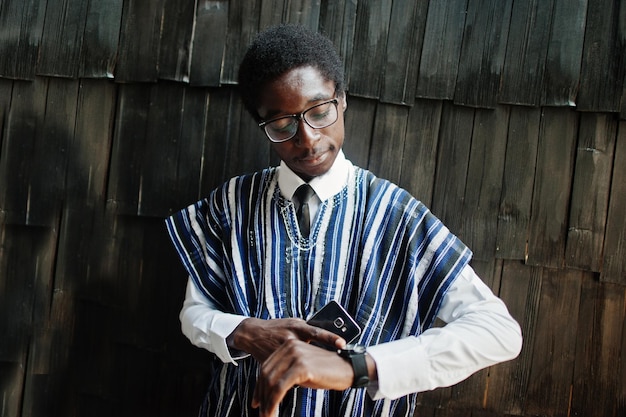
x: 298, y: 363
x: 261, y: 338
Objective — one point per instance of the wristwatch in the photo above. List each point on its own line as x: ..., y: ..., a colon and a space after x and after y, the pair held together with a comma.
x: 356, y: 355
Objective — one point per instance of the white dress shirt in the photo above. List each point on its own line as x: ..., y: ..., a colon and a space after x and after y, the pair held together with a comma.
x: 479, y: 331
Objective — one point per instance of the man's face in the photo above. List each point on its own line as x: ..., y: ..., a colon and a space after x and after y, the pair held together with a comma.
x: 311, y: 152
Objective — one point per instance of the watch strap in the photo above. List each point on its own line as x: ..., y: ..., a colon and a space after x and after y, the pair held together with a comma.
x: 356, y: 356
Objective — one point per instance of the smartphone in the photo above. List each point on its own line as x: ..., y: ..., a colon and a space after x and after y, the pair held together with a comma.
x: 334, y: 318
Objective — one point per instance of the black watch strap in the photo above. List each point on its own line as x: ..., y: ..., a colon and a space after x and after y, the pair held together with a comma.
x: 356, y: 355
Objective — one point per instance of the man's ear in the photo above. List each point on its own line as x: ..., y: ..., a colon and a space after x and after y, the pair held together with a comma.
x: 344, y: 101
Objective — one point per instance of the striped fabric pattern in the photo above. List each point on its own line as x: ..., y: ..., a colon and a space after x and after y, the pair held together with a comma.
x: 375, y: 249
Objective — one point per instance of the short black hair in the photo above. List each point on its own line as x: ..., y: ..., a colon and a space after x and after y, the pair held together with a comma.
x: 279, y: 49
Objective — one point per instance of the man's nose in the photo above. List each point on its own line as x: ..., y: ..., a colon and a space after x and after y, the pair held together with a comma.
x: 306, y: 135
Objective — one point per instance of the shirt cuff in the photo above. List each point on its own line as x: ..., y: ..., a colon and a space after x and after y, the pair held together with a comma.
x: 397, y: 378
x: 222, y: 326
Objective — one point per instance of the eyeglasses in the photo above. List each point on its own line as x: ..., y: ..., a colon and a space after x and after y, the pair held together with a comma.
x: 283, y: 128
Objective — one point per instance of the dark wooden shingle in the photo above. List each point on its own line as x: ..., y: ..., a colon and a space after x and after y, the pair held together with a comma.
x: 604, y: 57
x: 370, y: 41
x: 525, y: 59
x: 209, y: 39
x: 101, y: 39
x: 517, y: 183
x: 22, y: 25
x: 482, y: 53
x: 140, y: 37
x: 439, y: 62
x: 62, y: 40
x: 552, y: 189
x: 590, y: 191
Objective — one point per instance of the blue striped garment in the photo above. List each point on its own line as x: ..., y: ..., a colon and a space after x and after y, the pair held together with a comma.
x: 375, y: 249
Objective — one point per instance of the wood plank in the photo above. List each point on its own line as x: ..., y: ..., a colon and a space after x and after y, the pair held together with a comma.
x: 614, y: 268
x: 551, y: 194
x: 524, y: 68
x: 359, y: 120
x: 191, y: 145
x: 40, y: 127
x: 482, y: 52
x: 404, y: 47
x: 338, y: 22
x: 50, y: 157
x: 483, y: 188
x: 591, y: 191
x: 562, y: 71
x: 209, y: 39
x: 520, y: 289
x: 554, y: 348
x: 247, y: 147
x: 6, y: 91
x: 160, y: 157
x: 272, y: 12
x: 387, y: 145
x: 11, y: 386
x: 596, y: 386
x: 243, y: 25
x: 603, y: 70
x: 26, y: 262
x: 101, y: 39
x: 138, y: 53
x: 455, y: 138
x: 131, y: 125
x: 176, y: 34
x: 372, y: 27
x: 20, y: 132
x: 419, y: 158
x: 62, y: 40
x: 22, y: 23
x: 90, y: 150
x: 157, y: 146
x: 442, y: 48
x: 216, y: 139
x: 517, y: 183
x: 302, y: 12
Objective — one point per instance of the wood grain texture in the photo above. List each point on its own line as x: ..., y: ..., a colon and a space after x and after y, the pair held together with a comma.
x: 564, y: 53
x: 482, y: 52
x: 443, y: 38
x: 370, y: 42
x: 591, y: 191
x: 404, y: 46
x: 22, y: 22
x: 524, y: 69
x: 517, y: 183
x: 604, y: 53
x: 209, y: 38
x: 101, y: 39
x: 614, y: 267
x: 552, y: 189
x: 140, y: 37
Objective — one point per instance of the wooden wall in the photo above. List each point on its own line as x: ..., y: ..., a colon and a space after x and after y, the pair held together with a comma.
x: 506, y: 117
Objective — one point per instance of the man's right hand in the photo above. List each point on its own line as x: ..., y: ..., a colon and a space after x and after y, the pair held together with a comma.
x: 260, y: 338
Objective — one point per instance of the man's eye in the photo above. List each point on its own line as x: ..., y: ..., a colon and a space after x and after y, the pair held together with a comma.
x: 282, y: 125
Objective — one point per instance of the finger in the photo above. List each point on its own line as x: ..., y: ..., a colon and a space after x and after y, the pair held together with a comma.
x: 325, y: 337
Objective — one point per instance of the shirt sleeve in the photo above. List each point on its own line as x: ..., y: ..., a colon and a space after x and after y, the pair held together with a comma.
x: 479, y: 332
x: 207, y: 327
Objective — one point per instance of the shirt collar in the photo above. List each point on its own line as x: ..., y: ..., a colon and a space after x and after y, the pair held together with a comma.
x: 325, y: 186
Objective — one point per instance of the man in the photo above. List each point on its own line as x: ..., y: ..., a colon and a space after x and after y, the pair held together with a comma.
x: 257, y: 275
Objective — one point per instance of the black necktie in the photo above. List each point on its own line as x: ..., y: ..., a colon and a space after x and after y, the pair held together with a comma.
x: 303, y: 194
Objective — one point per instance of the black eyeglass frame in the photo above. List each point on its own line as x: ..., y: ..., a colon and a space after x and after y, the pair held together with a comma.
x: 298, y: 117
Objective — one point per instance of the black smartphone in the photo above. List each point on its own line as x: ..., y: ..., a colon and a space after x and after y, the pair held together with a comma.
x: 334, y: 318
